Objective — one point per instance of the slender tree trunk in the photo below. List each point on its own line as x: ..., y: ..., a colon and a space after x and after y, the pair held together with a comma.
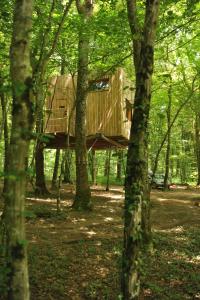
x: 83, y: 195
x: 119, y: 165
x: 106, y: 163
x: 108, y: 172
x: 22, y: 120
x: 55, y: 170
x: 92, y: 165
x: 67, y: 166
x: 197, y: 145
x: 137, y: 218
x: 40, y: 184
x: 6, y: 141
x: 167, y: 157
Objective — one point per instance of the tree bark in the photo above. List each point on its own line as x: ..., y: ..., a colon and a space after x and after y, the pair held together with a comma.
x: 108, y: 172
x: 55, y: 170
x: 137, y: 219
x: 197, y: 145
x: 40, y: 183
x: 67, y: 166
x: 93, y: 166
x: 119, y: 165
x: 22, y: 120
x: 83, y: 195
x: 6, y: 141
x: 167, y: 157
x: 106, y: 163
x: 39, y: 72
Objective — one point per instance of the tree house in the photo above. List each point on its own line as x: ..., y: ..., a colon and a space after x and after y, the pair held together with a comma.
x: 108, y: 113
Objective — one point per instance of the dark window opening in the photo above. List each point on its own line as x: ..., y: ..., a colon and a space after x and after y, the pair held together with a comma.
x: 129, y: 110
x: 99, y: 85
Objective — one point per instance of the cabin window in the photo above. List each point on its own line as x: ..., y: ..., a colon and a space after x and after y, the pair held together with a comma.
x: 99, y: 85
x: 129, y: 110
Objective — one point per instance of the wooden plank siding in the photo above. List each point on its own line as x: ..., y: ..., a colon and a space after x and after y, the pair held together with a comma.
x: 106, y: 109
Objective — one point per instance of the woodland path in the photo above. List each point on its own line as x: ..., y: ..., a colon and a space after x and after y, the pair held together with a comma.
x: 77, y: 255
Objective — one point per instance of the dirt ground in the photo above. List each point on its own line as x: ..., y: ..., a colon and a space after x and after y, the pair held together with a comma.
x: 77, y: 255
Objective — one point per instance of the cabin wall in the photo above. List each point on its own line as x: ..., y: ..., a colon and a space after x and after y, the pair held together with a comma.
x: 106, y: 109
x: 60, y: 110
x: 103, y: 108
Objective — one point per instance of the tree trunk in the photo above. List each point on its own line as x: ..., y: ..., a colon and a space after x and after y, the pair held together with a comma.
x: 106, y: 163
x: 167, y: 157
x: 83, y: 195
x: 119, y: 165
x: 40, y: 184
x: 55, y: 170
x: 39, y: 71
x: 22, y: 121
x: 6, y: 141
x: 108, y: 172
x: 137, y: 218
x: 197, y: 145
x: 92, y: 165
x: 67, y: 166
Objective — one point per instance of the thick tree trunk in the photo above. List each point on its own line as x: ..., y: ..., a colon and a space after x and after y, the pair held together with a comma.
x: 83, y: 195
x: 197, y: 145
x: 55, y: 170
x: 167, y: 157
x: 137, y: 223
x: 6, y: 141
x: 22, y: 120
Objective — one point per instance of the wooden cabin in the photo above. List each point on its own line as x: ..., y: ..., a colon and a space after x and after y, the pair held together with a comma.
x: 108, y: 116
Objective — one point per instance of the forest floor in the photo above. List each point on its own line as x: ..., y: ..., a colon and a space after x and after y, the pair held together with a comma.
x: 77, y: 256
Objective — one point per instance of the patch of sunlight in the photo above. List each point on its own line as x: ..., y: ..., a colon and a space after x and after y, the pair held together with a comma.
x: 108, y: 219
x: 103, y: 272
x: 48, y: 200
x: 119, y: 226
x: 91, y: 233
x: 74, y: 220
x: 162, y: 199
x: 83, y: 228
x: 34, y: 239
x: 177, y: 229
x: 111, y: 210
x: 99, y: 243
x: 117, y: 197
x: 181, y: 239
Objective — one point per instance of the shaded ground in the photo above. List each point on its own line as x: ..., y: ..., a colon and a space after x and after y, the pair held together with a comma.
x: 77, y: 256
